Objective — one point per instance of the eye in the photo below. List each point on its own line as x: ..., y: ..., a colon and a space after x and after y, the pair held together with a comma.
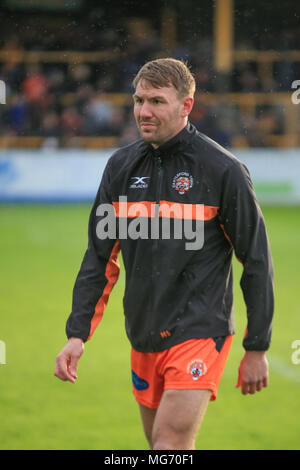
x: 137, y: 100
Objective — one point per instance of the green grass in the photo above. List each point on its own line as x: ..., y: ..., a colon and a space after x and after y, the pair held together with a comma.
x: 41, y: 250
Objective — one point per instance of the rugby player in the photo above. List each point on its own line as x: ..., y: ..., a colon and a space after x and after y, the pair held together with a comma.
x: 177, y: 302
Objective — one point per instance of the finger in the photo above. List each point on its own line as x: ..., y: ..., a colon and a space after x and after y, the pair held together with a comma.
x: 66, y: 372
x: 72, y: 367
x: 248, y: 387
x: 61, y: 370
x: 239, y: 382
x: 59, y: 373
x: 252, y: 388
x: 66, y: 376
x: 239, y: 379
x: 259, y: 385
x: 265, y: 381
x: 58, y: 370
x: 244, y: 388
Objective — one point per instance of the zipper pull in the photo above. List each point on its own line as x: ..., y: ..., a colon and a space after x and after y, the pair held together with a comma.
x: 159, y: 162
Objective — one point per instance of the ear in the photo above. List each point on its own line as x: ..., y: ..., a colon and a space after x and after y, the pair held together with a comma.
x: 188, y: 103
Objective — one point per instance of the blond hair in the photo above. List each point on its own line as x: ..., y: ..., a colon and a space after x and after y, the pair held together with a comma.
x: 165, y: 73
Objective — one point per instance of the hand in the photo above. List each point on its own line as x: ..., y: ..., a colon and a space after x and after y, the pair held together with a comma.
x: 253, y: 372
x: 67, y: 360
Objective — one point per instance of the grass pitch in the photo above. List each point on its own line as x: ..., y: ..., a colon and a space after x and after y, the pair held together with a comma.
x: 41, y: 251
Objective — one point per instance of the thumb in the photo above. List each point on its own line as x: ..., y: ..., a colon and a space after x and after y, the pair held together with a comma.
x: 239, y: 379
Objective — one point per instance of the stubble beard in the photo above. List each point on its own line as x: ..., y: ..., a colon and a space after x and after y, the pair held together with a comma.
x: 149, y: 137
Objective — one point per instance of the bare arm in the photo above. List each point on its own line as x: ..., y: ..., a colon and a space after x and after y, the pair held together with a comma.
x: 67, y: 360
x: 253, y: 372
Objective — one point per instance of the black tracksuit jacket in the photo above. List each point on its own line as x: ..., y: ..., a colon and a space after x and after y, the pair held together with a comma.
x: 173, y: 294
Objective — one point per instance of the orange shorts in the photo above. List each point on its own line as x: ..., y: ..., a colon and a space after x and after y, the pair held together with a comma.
x: 193, y: 364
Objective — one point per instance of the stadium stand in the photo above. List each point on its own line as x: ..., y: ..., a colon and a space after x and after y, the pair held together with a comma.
x: 69, y: 80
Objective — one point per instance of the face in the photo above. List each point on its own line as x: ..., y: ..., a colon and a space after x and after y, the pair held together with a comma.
x: 159, y: 112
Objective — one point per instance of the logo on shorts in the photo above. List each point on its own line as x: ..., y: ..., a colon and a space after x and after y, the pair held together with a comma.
x: 196, y: 368
x: 182, y: 182
x: 138, y: 382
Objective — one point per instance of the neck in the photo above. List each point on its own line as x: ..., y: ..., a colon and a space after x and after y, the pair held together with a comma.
x: 156, y: 144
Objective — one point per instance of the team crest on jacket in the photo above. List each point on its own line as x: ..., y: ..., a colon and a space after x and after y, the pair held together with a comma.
x: 196, y: 368
x: 182, y: 182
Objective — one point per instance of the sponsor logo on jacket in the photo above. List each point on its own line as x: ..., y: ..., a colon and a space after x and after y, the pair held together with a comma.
x: 139, y: 182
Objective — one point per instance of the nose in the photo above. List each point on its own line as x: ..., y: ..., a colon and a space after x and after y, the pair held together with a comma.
x: 146, y: 111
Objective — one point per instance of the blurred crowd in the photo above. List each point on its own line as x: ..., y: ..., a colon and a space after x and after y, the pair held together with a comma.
x: 61, y: 101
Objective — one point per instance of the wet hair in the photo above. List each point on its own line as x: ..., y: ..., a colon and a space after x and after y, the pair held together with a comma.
x: 166, y: 73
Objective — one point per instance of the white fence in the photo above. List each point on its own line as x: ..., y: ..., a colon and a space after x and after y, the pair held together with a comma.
x: 74, y: 175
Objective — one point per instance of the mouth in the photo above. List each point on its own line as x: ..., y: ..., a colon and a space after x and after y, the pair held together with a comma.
x: 147, y: 125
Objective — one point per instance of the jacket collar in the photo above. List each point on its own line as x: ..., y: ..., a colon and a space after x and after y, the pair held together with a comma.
x: 175, y: 144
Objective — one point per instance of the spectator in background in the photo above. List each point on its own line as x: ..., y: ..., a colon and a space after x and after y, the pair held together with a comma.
x: 116, y: 123
x: 39, y: 95
x: 248, y: 81
x: 203, y: 79
x: 35, y: 86
x: 129, y: 133
x: 200, y: 116
x: 106, y: 82
x: 17, y: 114
x: 12, y: 74
x: 57, y: 81
x: 98, y: 115
x: 285, y: 71
x: 258, y: 128
x: 248, y: 128
x: 50, y: 125
x: 78, y: 76
x: 269, y: 121
x: 83, y: 96
x: 142, y: 44
x: 71, y: 122
x: 207, y: 122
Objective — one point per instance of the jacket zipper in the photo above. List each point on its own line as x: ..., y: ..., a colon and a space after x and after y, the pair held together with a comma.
x: 155, y: 242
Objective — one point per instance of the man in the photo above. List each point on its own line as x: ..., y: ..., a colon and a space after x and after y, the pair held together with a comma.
x: 177, y: 301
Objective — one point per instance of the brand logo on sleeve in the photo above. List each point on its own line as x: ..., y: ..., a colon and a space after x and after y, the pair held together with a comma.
x: 182, y: 182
